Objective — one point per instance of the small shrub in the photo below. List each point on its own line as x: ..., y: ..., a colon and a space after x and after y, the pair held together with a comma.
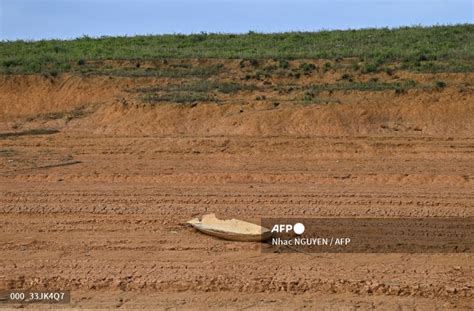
x: 389, y: 71
x: 307, y: 98
x: 307, y: 68
x: 253, y: 62
x: 400, y: 90
x: 327, y: 66
x: 270, y: 68
x: 370, y: 68
x: 310, y: 94
x: 346, y: 77
x: 422, y: 58
x: 440, y: 84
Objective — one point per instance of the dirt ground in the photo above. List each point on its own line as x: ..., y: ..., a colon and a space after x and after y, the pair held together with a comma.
x: 96, y: 188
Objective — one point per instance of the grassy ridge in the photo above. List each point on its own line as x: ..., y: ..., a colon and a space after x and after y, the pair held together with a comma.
x: 452, y: 45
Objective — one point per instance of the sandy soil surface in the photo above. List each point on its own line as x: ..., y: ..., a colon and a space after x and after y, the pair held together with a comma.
x: 99, y: 205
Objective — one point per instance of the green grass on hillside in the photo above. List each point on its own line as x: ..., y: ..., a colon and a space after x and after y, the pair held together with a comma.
x: 414, y: 47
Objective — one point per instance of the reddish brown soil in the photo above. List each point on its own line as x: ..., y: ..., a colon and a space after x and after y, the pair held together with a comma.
x: 99, y: 207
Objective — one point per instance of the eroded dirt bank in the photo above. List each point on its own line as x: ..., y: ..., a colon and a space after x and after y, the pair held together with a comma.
x: 237, y: 99
x: 97, y: 182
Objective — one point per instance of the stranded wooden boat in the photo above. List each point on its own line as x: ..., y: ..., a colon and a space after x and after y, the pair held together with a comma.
x: 231, y: 229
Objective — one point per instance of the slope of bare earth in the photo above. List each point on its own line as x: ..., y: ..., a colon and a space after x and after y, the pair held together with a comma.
x: 96, y: 184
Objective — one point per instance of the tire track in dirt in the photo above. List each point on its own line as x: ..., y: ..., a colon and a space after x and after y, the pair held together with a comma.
x: 116, y: 220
